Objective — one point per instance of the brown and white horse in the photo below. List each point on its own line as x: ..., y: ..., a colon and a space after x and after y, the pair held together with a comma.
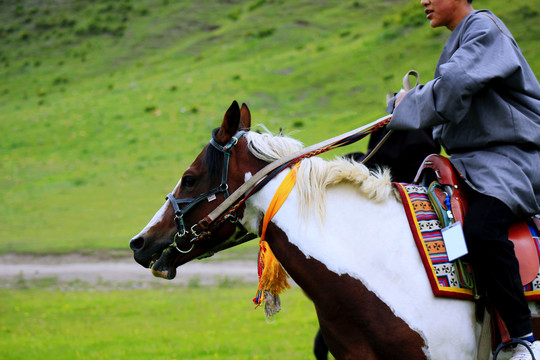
x: 342, y: 235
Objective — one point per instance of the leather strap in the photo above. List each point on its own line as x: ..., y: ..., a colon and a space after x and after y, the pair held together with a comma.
x: 444, y: 171
x: 525, y: 250
x: 407, y: 80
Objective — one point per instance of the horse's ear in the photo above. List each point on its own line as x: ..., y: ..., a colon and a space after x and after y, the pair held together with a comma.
x: 245, y: 118
x: 229, y: 127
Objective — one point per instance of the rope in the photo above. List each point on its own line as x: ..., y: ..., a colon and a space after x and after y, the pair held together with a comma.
x: 377, y: 148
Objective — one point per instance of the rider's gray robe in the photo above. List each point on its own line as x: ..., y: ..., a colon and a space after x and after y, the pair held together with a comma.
x: 484, y: 105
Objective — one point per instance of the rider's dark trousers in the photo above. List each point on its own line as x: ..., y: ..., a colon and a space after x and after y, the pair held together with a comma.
x: 492, y: 256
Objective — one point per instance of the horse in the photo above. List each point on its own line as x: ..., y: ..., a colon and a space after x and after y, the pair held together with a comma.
x: 342, y: 235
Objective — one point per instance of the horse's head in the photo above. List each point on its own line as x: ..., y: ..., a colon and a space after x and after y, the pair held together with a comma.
x: 171, y: 238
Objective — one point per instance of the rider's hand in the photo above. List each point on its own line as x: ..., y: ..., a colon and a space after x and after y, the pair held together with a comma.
x: 399, y: 96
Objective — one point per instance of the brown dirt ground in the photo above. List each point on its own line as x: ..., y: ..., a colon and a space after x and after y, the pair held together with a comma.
x: 113, y: 270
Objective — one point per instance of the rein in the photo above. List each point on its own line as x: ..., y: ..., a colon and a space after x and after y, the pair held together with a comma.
x: 227, y: 209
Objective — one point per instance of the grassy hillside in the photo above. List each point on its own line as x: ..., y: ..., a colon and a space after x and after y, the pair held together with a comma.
x: 103, y: 103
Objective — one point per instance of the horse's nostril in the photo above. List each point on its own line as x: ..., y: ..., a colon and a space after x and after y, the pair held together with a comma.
x: 136, y: 244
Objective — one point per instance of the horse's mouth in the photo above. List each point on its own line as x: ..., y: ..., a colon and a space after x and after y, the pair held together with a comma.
x: 163, y: 265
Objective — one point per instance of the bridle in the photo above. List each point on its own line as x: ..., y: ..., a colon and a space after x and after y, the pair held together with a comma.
x: 182, y: 234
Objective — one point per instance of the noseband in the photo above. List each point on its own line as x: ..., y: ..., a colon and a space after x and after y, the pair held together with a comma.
x: 182, y: 233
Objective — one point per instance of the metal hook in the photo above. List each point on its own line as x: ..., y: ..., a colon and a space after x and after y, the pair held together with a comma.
x: 232, y: 218
x: 194, y: 232
x: 232, y: 142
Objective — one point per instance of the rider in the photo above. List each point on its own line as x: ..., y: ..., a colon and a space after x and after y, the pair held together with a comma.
x: 484, y: 104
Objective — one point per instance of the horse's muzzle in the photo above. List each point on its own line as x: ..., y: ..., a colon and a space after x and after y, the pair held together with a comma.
x: 142, y: 252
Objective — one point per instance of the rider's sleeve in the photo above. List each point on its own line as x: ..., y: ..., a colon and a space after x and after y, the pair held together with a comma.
x: 476, y: 56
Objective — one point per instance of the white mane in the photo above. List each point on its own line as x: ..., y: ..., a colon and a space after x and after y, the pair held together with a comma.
x: 315, y: 175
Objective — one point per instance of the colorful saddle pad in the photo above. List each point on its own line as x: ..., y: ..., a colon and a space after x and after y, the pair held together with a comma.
x: 443, y: 275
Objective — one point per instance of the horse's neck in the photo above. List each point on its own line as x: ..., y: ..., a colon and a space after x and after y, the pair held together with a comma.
x: 358, y: 237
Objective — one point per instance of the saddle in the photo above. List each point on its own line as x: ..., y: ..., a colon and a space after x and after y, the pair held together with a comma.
x: 438, y: 168
x: 444, y: 173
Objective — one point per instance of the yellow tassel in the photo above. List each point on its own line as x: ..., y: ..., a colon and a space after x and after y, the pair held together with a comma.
x: 272, y: 276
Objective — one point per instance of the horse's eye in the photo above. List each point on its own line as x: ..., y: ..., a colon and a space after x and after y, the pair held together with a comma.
x: 188, y: 181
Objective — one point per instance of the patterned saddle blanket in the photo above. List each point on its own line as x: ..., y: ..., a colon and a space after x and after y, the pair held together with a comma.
x: 446, y: 278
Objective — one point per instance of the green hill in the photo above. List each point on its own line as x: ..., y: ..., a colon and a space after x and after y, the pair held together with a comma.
x: 105, y: 102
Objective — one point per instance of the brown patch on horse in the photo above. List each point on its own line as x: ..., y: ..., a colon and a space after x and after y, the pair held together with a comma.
x: 355, y: 322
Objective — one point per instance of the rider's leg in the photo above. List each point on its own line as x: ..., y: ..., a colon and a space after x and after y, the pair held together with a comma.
x: 493, y: 257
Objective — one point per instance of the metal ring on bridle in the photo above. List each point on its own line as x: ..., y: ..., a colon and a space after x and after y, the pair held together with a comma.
x: 223, y: 187
x: 176, y: 236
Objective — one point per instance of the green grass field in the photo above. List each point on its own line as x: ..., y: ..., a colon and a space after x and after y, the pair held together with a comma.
x: 166, y: 323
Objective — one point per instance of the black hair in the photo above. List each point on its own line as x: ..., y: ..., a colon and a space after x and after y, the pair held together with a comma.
x: 213, y: 158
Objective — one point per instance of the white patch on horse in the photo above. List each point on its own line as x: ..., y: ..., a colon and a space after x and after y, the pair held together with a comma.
x: 159, y: 215
x: 251, y: 217
x: 371, y: 241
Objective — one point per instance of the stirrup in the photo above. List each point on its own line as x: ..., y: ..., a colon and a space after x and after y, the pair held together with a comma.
x: 513, y: 341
